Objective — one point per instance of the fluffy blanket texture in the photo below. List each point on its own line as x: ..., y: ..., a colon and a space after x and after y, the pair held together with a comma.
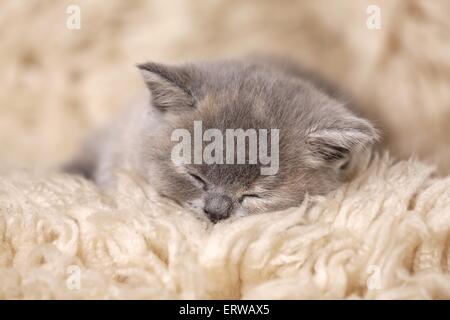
x: 384, y: 235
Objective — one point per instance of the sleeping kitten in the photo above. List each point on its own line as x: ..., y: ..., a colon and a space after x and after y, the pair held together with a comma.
x: 319, y: 138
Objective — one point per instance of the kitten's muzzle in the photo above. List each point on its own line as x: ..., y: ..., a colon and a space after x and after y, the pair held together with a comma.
x: 217, y: 206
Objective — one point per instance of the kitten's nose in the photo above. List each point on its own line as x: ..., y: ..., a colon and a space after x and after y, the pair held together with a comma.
x: 217, y: 206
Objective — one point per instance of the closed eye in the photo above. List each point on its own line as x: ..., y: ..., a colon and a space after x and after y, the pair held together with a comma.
x: 198, y: 180
x: 250, y: 195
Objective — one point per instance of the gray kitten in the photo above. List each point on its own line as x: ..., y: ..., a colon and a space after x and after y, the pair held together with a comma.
x: 319, y: 138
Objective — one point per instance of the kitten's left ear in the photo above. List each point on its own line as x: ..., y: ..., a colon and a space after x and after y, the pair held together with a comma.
x: 168, y: 85
x: 336, y: 143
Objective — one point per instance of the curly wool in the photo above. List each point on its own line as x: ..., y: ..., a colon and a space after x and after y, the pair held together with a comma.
x: 385, y: 235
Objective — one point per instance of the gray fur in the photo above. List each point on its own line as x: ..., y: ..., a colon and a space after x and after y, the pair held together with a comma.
x: 318, y: 135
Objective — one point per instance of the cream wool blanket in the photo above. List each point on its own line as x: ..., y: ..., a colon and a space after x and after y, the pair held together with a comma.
x: 384, y: 235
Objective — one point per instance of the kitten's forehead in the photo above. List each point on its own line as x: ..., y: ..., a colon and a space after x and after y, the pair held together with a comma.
x: 219, y: 112
x: 234, y: 177
x: 241, y: 83
x: 241, y: 93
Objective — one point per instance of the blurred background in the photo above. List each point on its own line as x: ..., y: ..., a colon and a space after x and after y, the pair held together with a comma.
x: 58, y: 83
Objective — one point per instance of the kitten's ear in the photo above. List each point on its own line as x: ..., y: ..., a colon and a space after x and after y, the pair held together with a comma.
x: 334, y: 145
x: 168, y: 85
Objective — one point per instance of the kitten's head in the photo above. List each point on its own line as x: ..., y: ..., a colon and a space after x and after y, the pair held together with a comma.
x: 318, y: 137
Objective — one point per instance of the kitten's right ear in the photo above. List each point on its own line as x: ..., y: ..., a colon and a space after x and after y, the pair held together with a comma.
x: 336, y: 143
x: 168, y: 85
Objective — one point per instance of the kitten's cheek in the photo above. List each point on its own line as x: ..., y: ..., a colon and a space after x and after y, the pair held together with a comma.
x: 241, y: 212
x: 254, y: 206
x: 196, y: 206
